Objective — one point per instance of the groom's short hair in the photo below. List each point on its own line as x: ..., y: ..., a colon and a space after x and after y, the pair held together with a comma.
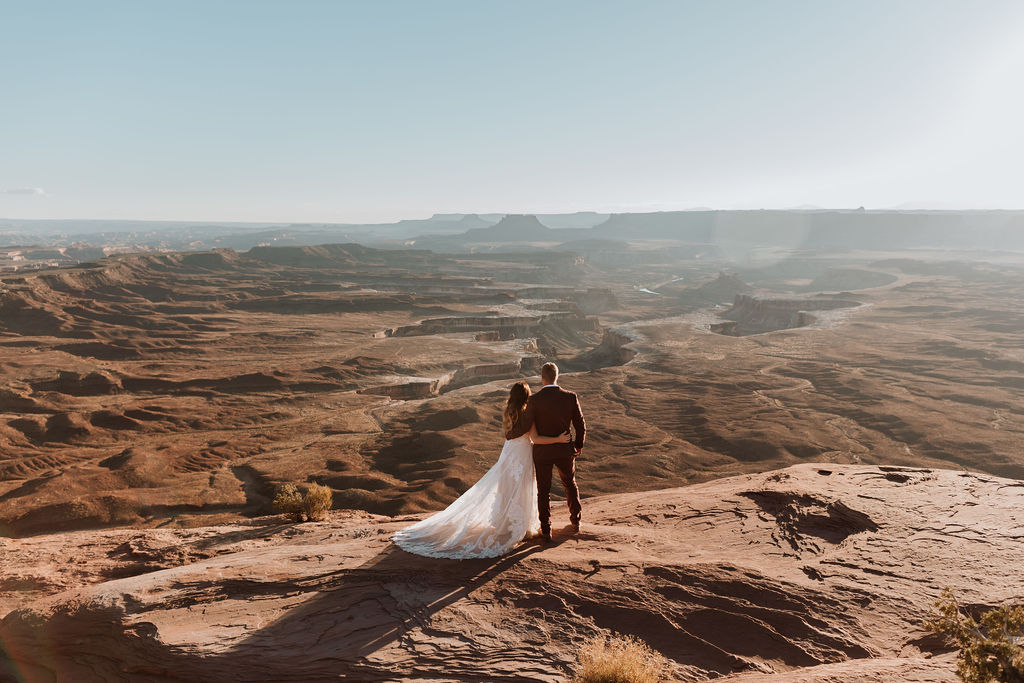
x: 549, y: 373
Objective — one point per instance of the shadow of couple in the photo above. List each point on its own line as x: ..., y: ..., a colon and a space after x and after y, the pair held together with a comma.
x: 355, y: 612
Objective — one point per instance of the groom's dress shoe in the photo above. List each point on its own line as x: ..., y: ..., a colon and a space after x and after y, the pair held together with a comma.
x: 575, y: 527
x: 545, y: 537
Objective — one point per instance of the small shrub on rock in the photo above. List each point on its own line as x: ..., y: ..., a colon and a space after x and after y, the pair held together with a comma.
x: 288, y: 501
x: 619, y: 659
x: 317, y: 502
x: 991, y: 647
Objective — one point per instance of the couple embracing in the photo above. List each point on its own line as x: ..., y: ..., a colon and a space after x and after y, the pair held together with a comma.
x: 512, y: 501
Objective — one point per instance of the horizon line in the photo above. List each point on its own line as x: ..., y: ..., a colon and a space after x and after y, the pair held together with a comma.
x: 516, y: 213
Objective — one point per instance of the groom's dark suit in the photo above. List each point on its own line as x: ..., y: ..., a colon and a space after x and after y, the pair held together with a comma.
x: 552, y: 410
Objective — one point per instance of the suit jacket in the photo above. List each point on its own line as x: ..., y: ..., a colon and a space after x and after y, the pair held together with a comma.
x: 552, y: 410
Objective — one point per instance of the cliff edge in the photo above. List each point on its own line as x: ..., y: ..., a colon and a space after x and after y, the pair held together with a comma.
x: 811, y: 573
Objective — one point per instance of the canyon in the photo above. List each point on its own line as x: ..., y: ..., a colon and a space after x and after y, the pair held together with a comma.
x: 152, y: 403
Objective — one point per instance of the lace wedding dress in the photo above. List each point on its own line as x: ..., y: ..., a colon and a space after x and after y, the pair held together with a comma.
x: 489, y: 519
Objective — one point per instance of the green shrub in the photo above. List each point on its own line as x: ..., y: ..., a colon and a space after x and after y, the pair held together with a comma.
x: 288, y: 501
x: 991, y: 647
x: 619, y: 659
x: 317, y: 502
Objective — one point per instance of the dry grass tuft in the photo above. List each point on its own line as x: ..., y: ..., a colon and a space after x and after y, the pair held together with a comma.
x: 317, y: 502
x: 288, y: 501
x: 619, y: 659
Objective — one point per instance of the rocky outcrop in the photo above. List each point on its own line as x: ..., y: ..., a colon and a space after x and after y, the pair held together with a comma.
x: 755, y: 315
x: 522, y: 325
x: 23, y: 312
x: 590, y: 301
x: 507, y: 327
x: 417, y: 388
x: 617, y: 347
x: 15, y: 401
x: 79, y: 384
x: 724, y: 288
x: 813, y: 573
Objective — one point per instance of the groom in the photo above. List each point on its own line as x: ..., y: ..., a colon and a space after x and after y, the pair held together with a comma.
x: 553, y: 409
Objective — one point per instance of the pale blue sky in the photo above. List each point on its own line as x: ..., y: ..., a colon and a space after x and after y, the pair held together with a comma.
x: 372, y: 111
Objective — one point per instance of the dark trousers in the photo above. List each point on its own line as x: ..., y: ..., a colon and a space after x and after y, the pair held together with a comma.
x: 567, y: 471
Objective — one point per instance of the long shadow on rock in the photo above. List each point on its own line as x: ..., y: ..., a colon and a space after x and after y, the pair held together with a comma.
x: 357, y: 613
x: 347, y: 617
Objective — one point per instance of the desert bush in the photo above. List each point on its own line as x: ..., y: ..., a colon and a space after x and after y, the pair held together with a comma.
x: 288, y: 501
x: 317, y: 502
x: 619, y: 659
x: 991, y: 647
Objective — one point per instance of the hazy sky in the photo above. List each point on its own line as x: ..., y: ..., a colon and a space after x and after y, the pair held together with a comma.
x: 371, y: 111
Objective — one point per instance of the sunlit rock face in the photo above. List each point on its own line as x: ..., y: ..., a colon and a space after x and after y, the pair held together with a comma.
x: 817, y: 572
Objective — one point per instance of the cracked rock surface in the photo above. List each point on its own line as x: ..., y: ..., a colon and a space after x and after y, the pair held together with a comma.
x: 811, y: 573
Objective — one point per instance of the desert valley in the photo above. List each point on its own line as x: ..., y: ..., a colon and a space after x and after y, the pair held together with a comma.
x: 828, y: 419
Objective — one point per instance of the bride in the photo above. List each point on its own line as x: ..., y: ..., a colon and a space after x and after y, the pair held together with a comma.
x: 498, y: 511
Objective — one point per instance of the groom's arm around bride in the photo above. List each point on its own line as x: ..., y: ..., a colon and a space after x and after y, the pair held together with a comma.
x: 551, y: 410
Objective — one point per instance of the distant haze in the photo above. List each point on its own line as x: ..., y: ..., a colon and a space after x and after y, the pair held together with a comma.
x: 325, y: 111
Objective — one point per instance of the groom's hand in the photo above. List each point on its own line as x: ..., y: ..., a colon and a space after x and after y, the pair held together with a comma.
x: 578, y: 451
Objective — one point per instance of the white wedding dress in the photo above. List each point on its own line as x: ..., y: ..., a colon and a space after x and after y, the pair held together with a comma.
x: 489, y: 519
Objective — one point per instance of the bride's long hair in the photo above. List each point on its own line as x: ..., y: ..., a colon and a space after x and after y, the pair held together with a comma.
x: 517, y: 397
